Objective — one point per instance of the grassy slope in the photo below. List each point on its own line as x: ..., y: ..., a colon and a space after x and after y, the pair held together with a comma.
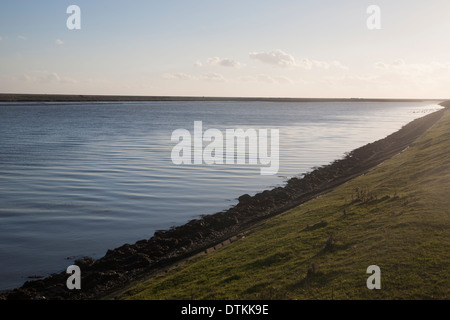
x: 401, y: 224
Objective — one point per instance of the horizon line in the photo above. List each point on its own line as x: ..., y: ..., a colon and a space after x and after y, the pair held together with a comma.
x: 43, y: 97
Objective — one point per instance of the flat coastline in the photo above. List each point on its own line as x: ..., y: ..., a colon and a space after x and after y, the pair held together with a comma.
x: 12, y: 97
x: 132, y: 262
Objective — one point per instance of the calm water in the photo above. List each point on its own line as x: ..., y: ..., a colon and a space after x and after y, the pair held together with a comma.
x: 77, y: 179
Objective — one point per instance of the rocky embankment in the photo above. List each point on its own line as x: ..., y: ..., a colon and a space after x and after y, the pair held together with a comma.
x: 131, y: 262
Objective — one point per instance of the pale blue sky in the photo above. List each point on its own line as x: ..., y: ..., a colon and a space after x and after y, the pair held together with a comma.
x: 310, y: 48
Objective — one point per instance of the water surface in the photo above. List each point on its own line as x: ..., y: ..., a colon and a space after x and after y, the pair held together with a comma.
x: 77, y: 179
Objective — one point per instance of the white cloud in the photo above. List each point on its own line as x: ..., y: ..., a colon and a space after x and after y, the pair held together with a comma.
x: 328, y: 64
x: 398, y: 77
x: 280, y: 58
x: 224, y: 62
x: 401, y: 67
x: 22, y: 37
x: 398, y: 63
x: 283, y: 80
x: 59, y: 42
x: 308, y: 64
x: 178, y: 76
x: 349, y: 79
x: 267, y: 79
x: 45, y: 77
x: 381, y: 65
x: 198, y: 63
x: 213, y: 77
x: 247, y: 78
x: 276, y: 58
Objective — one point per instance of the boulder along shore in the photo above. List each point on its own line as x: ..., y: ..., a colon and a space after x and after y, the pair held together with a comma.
x: 130, y: 263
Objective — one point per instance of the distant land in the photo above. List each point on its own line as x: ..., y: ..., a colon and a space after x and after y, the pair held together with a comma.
x: 13, y: 97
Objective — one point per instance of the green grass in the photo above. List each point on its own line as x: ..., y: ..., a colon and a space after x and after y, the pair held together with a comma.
x: 401, y: 225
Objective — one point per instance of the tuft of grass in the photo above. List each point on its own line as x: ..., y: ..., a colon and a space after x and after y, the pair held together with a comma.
x: 398, y: 218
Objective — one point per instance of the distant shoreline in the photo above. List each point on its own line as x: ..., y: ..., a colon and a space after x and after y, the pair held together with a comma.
x: 13, y: 97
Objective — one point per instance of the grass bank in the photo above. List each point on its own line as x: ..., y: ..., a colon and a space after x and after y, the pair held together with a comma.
x: 396, y: 216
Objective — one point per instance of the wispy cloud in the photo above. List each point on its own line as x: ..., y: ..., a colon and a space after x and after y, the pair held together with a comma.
x: 224, y: 62
x: 328, y: 64
x: 283, y: 80
x: 400, y: 66
x: 221, y: 62
x: 45, y: 77
x: 21, y: 37
x: 213, y: 77
x: 59, y: 42
x: 265, y: 78
x: 276, y: 58
x: 210, y: 77
x: 388, y: 78
x: 178, y: 76
x: 282, y: 59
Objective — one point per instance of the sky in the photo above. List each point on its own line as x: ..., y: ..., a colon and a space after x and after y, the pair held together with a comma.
x: 247, y: 48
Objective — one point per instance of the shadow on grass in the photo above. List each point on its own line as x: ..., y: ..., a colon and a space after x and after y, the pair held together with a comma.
x: 266, y: 291
x: 269, y: 261
x: 317, y: 280
x: 316, y: 226
x: 231, y: 279
x: 332, y: 249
